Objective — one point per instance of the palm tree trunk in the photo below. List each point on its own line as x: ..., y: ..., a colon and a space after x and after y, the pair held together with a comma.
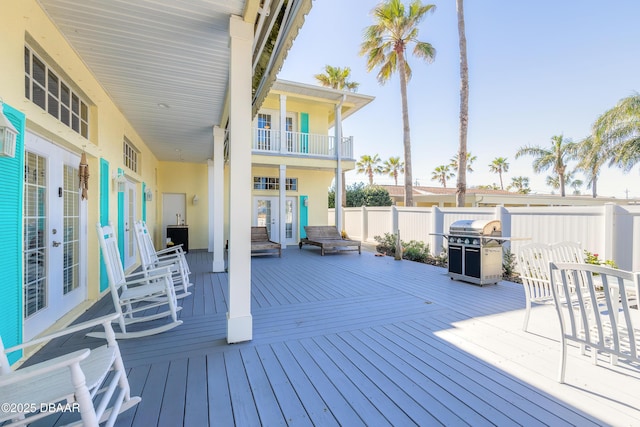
x: 501, y: 184
x: 408, y: 176
x: 344, y: 191
x: 464, y: 109
x: 594, y: 187
x: 562, y: 193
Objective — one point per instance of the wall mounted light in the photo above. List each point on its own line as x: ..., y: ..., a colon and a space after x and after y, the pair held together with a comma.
x: 195, y: 200
x: 119, y: 180
x: 306, y: 202
x: 148, y: 195
x: 8, y: 135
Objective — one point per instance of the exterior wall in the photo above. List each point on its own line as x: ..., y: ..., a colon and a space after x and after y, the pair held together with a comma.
x: 24, y: 22
x: 191, y: 179
x: 311, y: 183
x: 611, y: 231
x: 318, y: 112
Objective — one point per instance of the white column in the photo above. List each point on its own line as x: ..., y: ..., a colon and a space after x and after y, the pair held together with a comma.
x: 210, y: 205
x: 338, y: 143
x: 283, y: 206
x: 283, y: 124
x: 216, y: 196
x: 239, y: 320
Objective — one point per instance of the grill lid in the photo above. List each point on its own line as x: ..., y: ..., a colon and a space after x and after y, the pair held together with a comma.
x: 478, y: 227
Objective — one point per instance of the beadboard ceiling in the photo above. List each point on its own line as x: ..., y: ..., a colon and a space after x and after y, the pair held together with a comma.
x: 165, y: 63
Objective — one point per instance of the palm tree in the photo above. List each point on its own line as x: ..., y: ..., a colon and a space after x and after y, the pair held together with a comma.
x: 621, y: 126
x: 569, y: 180
x: 338, y: 78
x: 470, y: 159
x: 393, y: 167
x: 369, y: 165
x: 461, y: 187
x: 385, y: 44
x: 562, y: 150
x: 520, y: 184
x: 592, y: 154
x: 499, y: 165
x: 441, y: 174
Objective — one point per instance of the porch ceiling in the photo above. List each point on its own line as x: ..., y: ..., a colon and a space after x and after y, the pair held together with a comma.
x: 165, y: 63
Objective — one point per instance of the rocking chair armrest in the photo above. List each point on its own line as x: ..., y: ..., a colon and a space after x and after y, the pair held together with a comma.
x: 104, y: 320
x: 174, y: 248
x: 44, y: 368
x: 138, y: 276
x: 149, y: 275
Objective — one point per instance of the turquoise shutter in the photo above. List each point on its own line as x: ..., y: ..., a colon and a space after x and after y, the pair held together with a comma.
x: 12, y: 178
x: 304, y: 216
x: 304, y: 129
x: 144, y: 202
x: 121, y: 221
x: 104, y: 215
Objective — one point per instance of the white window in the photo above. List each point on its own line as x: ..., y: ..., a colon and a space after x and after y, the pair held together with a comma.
x: 47, y: 90
x: 130, y: 155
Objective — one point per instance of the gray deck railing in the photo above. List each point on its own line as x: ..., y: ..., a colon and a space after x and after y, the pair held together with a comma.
x: 612, y: 231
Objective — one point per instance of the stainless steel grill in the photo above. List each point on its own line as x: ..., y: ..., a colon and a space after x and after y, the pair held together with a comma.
x: 475, y: 251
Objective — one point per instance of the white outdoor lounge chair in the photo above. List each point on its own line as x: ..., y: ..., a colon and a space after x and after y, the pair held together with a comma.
x: 137, y: 296
x: 533, y: 264
x: 175, y: 260
x: 600, y: 317
x: 91, y: 383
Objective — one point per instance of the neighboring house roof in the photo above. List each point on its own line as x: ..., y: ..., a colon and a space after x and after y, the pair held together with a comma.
x: 488, y: 197
x: 352, y: 101
x: 165, y: 64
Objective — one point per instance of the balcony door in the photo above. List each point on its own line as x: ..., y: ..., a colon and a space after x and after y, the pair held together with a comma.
x: 54, y: 230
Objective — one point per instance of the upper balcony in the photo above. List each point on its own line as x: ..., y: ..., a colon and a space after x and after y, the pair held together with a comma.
x: 299, y: 144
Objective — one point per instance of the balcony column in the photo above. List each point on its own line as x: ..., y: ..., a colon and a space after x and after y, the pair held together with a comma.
x: 216, y: 201
x: 283, y: 124
x: 239, y: 319
x: 337, y: 126
x: 283, y: 206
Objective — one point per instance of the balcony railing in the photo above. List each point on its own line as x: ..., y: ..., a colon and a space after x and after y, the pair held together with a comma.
x: 299, y: 144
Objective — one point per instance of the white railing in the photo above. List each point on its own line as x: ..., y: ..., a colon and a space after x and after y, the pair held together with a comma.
x: 299, y: 144
x: 612, y: 231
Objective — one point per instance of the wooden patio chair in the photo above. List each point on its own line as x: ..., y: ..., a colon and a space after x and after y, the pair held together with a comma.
x: 90, y: 384
x: 600, y: 317
x: 327, y: 237
x: 151, y: 260
x: 261, y: 244
x: 138, y: 296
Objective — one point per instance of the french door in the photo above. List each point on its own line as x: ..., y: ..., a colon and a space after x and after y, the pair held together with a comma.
x: 54, y: 235
x: 266, y: 213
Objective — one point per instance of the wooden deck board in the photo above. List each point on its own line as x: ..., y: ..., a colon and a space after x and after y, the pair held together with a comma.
x: 361, y: 340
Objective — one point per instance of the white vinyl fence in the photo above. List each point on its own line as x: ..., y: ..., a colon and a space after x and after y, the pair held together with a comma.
x: 611, y: 231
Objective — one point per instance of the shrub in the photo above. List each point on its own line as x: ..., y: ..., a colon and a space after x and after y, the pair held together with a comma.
x: 386, y: 244
x: 508, y: 264
x: 415, y: 251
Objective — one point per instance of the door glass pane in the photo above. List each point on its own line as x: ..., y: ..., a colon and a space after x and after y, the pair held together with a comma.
x: 71, y: 236
x: 264, y: 214
x: 35, y: 224
x: 130, y: 221
x: 264, y: 131
x: 289, y: 219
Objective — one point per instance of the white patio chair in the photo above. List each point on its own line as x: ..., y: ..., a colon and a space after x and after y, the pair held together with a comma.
x: 137, y: 293
x: 600, y: 320
x: 533, y: 265
x: 91, y: 383
x: 175, y: 260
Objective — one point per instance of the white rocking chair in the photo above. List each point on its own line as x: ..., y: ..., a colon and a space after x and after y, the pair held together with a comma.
x: 170, y: 257
x: 136, y: 293
x: 90, y: 383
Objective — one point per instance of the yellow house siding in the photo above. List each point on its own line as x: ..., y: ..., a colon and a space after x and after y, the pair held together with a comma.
x: 190, y: 179
x: 24, y: 22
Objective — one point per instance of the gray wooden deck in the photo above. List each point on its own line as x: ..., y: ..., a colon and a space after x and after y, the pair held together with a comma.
x: 350, y: 339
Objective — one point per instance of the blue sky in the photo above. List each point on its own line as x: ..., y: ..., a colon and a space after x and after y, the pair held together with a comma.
x: 536, y: 69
